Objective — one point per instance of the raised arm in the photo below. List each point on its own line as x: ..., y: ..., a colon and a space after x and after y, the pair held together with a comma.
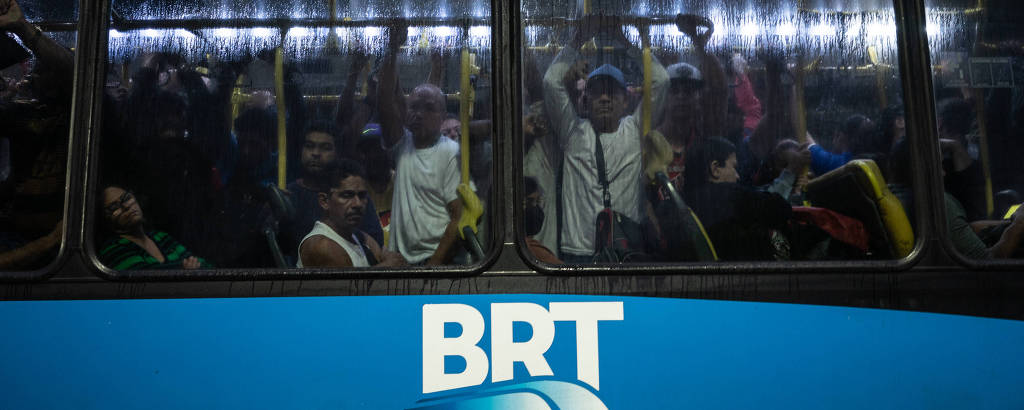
x: 54, y: 59
x: 392, y: 120
x: 352, y: 116
x: 715, y: 98
x: 557, y: 103
x: 659, y: 77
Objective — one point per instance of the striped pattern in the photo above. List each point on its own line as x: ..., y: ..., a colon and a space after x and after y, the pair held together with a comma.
x: 122, y: 254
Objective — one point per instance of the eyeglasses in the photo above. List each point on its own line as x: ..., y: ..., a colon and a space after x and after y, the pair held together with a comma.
x: 120, y: 204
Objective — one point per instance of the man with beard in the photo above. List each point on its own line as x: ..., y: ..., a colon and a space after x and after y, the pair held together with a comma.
x: 335, y: 240
x: 620, y: 136
x: 318, y: 158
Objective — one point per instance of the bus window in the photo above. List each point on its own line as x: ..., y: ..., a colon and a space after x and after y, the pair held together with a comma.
x: 36, y: 70
x: 702, y: 131
x: 295, y: 135
x: 976, y: 55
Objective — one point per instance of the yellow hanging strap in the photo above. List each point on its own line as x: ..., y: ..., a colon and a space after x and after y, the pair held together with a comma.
x: 883, y: 100
x: 472, y: 209
x: 282, y: 138
x: 646, y: 101
x: 799, y: 106
x: 979, y: 109
x: 799, y: 110
x: 238, y: 98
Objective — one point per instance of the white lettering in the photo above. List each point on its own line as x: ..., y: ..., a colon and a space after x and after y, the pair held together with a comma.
x: 586, y: 315
x: 436, y: 347
x: 504, y: 351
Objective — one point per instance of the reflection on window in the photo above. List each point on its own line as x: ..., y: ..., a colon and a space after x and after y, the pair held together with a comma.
x: 977, y: 70
x: 35, y: 103
x: 341, y: 142
x: 701, y: 131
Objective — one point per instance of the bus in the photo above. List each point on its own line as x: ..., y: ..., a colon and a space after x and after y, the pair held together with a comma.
x: 578, y: 205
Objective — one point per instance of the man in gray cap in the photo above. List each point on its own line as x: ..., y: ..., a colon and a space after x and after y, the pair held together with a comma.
x: 694, y: 106
x: 620, y: 134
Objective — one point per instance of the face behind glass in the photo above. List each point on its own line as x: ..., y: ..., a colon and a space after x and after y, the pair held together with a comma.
x: 606, y: 103
x: 121, y: 209
x: 725, y: 173
x: 425, y: 113
x: 318, y: 152
x: 346, y: 203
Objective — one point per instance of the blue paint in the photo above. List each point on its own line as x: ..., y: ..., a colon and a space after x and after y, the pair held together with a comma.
x: 365, y: 352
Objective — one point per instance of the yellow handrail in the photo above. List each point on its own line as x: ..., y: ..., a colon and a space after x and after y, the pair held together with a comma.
x: 282, y: 137
x: 646, y: 101
x: 472, y: 209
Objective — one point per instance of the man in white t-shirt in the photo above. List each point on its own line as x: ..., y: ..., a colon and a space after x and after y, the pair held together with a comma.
x: 621, y: 138
x: 425, y: 209
x: 336, y: 240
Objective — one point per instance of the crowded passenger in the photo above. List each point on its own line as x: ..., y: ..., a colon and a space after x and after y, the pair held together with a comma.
x: 33, y: 143
x: 380, y: 175
x: 426, y: 208
x: 857, y: 137
x: 318, y: 160
x: 451, y: 127
x: 539, y: 166
x: 335, y: 239
x: 741, y: 222
x: 533, y: 221
x: 133, y: 245
x: 964, y: 177
x: 695, y: 103
x: 743, y: 94
x: 976, y: 239
x: 608, y: 138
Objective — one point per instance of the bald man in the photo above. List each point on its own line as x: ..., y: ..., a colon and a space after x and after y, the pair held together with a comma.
x: 425, y: 209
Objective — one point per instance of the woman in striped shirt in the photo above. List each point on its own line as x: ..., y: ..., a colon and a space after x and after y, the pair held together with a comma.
x: 134, y: 247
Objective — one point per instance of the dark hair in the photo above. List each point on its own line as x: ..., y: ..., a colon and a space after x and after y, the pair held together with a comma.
x: 956, y: 115
x: 861, y: 141
x: 257, y: 121
x: 700, y: 157
x: 530, y: 185
x: 889, y: 116
x: 344, y: 168
x: 900, y: 169
x: 325, y: 127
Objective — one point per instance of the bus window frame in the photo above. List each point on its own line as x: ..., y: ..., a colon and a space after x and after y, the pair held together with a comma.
x: 70, y: 185
x: 932, y: 247
x: 923, y: 237
x: 99, y: 52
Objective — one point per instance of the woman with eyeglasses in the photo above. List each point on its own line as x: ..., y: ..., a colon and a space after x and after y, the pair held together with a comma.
x: 132, y: 246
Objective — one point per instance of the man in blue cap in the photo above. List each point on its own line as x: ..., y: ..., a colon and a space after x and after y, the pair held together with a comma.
x: 620, y: 133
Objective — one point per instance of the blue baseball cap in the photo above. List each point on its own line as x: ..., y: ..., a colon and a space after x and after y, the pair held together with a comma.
x: 608, y: 70
x: 371, y: 132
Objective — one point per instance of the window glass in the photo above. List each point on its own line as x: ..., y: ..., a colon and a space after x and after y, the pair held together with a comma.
x: 335, y: 140
x: 36, y: 70
x: 699, y: 131
x: 977, y: 73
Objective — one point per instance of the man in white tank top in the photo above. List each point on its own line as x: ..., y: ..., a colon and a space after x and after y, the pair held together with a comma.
x: 335, y: 240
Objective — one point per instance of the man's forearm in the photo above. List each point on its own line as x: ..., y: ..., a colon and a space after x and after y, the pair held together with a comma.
x: 444, y: 249
x: 49, y: 53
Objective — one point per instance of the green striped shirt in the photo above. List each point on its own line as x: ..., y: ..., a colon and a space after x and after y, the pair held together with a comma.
x: 123, y: 254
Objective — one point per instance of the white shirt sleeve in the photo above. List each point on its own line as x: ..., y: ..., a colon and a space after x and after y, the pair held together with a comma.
x: 559, y: 107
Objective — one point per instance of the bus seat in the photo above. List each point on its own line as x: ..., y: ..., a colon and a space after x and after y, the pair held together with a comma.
x: 857, y: 189
x: 676, y: 215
